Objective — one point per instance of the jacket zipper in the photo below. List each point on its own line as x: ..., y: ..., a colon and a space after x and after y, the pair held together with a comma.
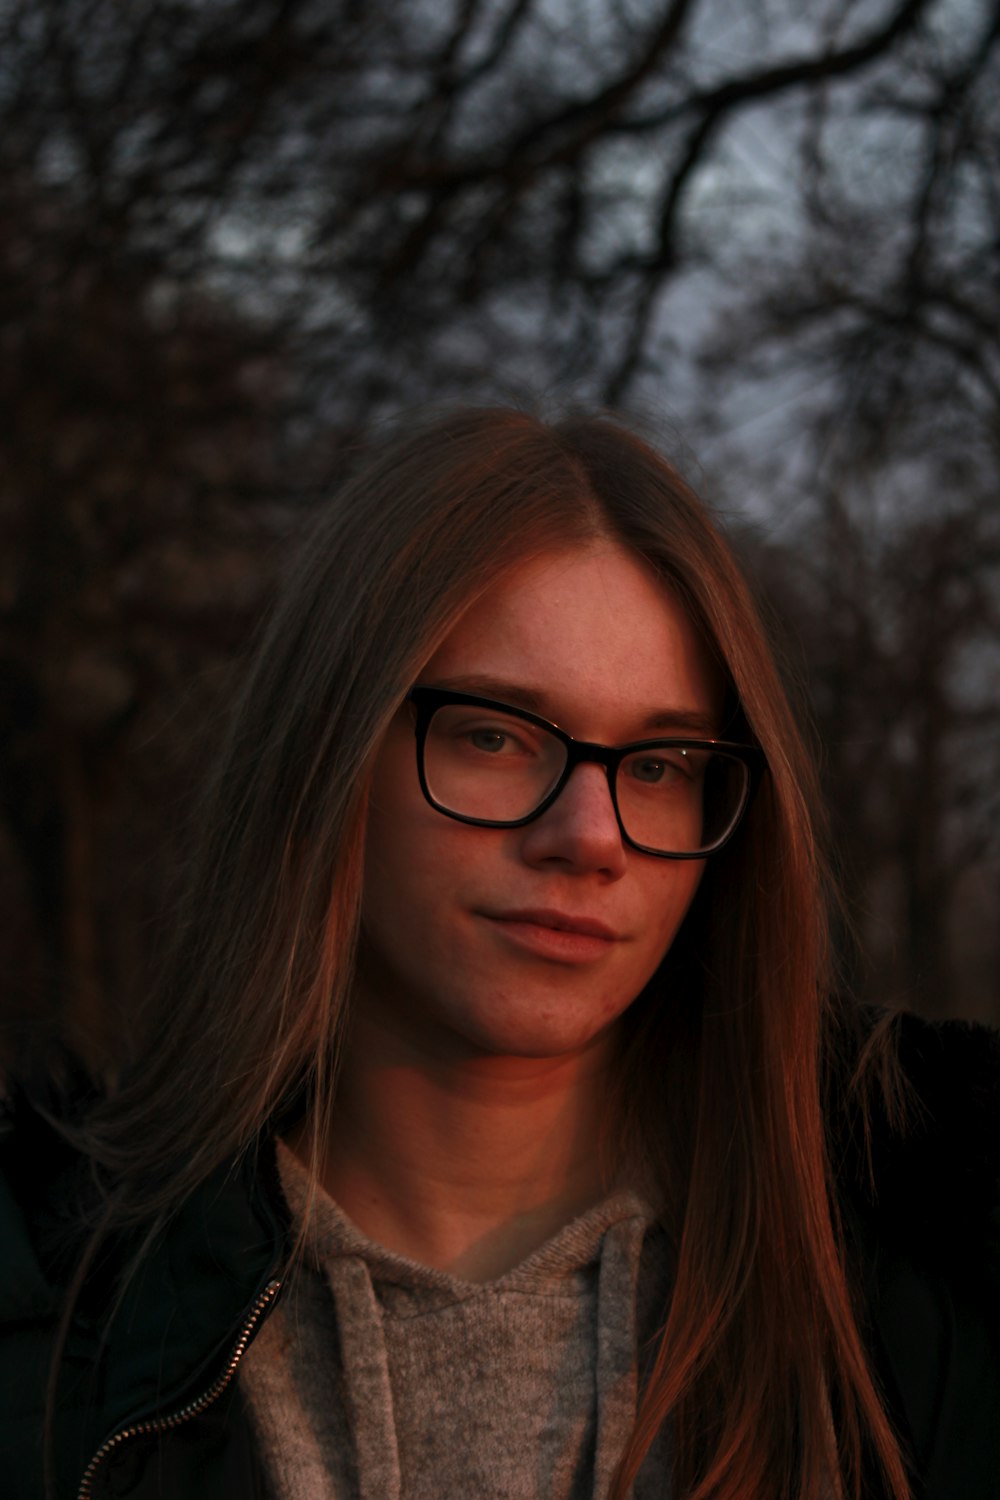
x: 192, y: 1408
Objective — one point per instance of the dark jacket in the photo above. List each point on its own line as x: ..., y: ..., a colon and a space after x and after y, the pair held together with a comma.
x: 155, y: 1411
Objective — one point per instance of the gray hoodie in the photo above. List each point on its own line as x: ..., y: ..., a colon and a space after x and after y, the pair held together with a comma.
x: 381, y: 1379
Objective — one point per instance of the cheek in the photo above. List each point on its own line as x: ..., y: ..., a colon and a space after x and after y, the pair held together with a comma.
x: 391, y: 862
x: 671, y: 898
x: 409, y: 848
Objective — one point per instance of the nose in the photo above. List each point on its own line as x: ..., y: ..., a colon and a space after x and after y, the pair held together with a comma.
x: 580, y: 830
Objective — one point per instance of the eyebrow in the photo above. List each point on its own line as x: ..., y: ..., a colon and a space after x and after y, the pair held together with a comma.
x: 676, y: 720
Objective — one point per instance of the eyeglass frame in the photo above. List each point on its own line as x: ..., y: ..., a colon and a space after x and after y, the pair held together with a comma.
x: 427, y: 700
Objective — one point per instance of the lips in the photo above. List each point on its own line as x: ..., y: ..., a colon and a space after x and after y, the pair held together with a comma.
x: 556, y: 920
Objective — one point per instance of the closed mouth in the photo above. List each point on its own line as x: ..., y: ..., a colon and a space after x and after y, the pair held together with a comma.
x: 558, y: 921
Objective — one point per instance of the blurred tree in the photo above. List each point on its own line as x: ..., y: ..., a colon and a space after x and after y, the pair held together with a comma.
x: 898, y: 634
x: 426, y: 191
x: 233, y: 232
x: 137, y: 467
x: 882, y: 316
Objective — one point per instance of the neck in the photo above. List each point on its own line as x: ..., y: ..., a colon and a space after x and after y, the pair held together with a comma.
x: 463, y: 1161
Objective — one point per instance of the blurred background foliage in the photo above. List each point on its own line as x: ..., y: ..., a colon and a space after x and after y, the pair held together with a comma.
x: 237, y: 234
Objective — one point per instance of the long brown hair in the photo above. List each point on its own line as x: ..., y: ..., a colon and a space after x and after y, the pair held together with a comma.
x: 761, y: 1368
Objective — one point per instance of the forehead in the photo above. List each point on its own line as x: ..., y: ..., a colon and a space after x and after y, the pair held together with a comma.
x: 590, y: 635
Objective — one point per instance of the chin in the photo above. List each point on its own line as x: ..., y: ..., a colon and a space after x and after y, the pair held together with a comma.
x: 542, y: 1035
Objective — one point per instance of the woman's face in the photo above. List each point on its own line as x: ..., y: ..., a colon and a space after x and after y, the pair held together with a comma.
x: 468, y: 944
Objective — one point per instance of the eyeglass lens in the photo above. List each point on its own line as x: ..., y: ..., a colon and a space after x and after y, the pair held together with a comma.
x: 485, y: 764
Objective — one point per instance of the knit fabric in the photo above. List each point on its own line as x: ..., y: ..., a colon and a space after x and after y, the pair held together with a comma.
x: 381, y: 1379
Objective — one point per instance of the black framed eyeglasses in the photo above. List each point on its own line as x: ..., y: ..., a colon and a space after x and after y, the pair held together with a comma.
x: 497, y: 766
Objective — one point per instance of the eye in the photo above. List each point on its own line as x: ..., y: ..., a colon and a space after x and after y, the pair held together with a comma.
x: 492, y: 741
x: 494, y: 738
x: 481, y: 737
x: 671, y: 768
x: 651, y: 771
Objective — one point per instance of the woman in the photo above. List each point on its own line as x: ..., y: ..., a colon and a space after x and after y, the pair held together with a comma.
x: 497, y: 1132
